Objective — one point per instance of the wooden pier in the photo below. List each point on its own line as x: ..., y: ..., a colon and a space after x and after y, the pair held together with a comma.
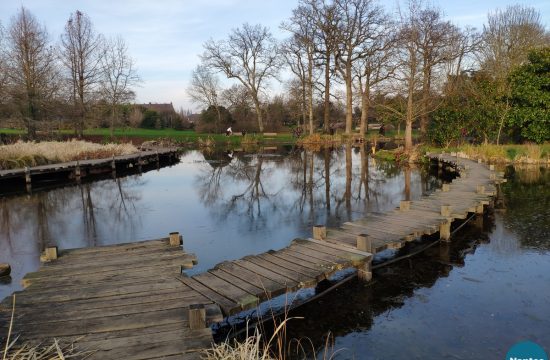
x: 242, y: 284
x: 132, y: 301
x: 119, y: 302
x: 82, y: 168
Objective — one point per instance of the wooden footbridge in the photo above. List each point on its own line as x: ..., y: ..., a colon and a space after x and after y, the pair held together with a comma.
x: 133, y: 301
x: 81, y: 168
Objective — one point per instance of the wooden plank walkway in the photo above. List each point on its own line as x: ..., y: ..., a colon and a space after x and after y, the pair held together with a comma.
x: 131, y: 301
x: 82, y: 167
x: 126, y: 301
x: 243, y: 284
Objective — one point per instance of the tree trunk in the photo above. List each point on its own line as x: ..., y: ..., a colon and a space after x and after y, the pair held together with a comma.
x: 326, y: 120
x: 349, y: 99
x: 410, y: 103
x: 310, y: 93
x: 365, y: 100
x: 327, y: 178
x: 113, y: 116
x: 426, y: 86
x: 258, y: 113
x: 218, y: 127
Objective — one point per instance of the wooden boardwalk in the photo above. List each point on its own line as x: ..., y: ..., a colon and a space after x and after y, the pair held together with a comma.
x: 121, y: 302
x: 242, y: 284
x: 132, y: 301
x: 82, y: 168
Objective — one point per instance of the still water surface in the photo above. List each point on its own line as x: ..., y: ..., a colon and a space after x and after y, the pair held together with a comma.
x: 472, y: 299
x: 226, y: 205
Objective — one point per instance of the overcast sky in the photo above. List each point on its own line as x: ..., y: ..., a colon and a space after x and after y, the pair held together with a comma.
x: 165, y: 37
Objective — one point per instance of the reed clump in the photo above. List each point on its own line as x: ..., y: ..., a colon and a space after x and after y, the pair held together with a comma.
x: 22, y: 154
x: 525, y: 153
x: 207, y: 142
x: 12, y: 350
x: 316, y: 141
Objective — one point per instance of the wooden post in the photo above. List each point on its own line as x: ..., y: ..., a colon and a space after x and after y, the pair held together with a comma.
x: 113, y: 164
x: 446, y: 210
x: 51, y: 253
x: 445, y: 230
x: 5, y: 269
x: 404, y: 205
x: 27, y: 175
x: 364, y: 243
x: 480, y: 189
x: 176, y: 239
x: 479, y: 161
x: 445, y: 187
x: 479, y: 208
x: 364, y: 272
x: 319, y: 232
x: 77, y: 170
x: 492, y: 167
x: 197, y: 316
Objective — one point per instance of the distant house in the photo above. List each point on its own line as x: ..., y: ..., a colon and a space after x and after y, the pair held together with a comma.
x: 164, y: 115
x: 159, y: 108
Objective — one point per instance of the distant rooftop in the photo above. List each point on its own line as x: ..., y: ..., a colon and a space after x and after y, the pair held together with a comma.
x: 160, y: 108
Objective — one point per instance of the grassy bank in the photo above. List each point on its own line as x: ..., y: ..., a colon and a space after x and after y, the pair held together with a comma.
x: 180, y: 136
x: 23, y: 154
x: 506, y: 154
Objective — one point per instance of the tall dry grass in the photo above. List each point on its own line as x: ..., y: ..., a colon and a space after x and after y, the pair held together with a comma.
x: 23, y: 154
x: 54, y: 351
x: 528, y: 153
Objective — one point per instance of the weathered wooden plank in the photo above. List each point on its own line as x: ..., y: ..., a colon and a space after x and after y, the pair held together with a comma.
x: 71, y: 327
x: 271, y: 287
x: 250, y: 288
x: 288, y: 283
x: 239, y: 296
x: 228, y: 306
x: 298, y: 268
x: 174, y: 263
x: 350, y: 258
x: 287, y: 256
x: 301, y: 279
x: 291, y: 255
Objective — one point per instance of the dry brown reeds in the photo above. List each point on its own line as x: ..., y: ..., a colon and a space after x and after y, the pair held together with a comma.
x: 22, y: 154
x: 54, y: 351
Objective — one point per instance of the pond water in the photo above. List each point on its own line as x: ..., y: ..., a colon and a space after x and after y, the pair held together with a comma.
x: 472, y: 299
x: 225, y: 204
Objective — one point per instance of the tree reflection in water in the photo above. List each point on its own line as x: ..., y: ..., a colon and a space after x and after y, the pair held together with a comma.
x: 226, y: 204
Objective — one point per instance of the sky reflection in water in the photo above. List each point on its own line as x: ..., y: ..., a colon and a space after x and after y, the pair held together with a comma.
x: 225, y: 205
x: 472, y: 299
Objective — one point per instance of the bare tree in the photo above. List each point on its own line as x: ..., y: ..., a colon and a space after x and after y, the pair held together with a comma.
x: 426, y: 48
x: 436, y: 38
x: 300, y: 55
x: 250, y: 55
x: 410, y: 66
x: 81, y: 50
x: 3, y: 65
x: 205, y: 89
x: 119, y: 75
x: 507, y: 39
x: 376, y: 67
x: 325, y: 19
x: 361, y: 23
x: 31, y: 68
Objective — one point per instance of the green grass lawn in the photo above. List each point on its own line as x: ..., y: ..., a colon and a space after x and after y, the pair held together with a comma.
x: 179, y: 135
